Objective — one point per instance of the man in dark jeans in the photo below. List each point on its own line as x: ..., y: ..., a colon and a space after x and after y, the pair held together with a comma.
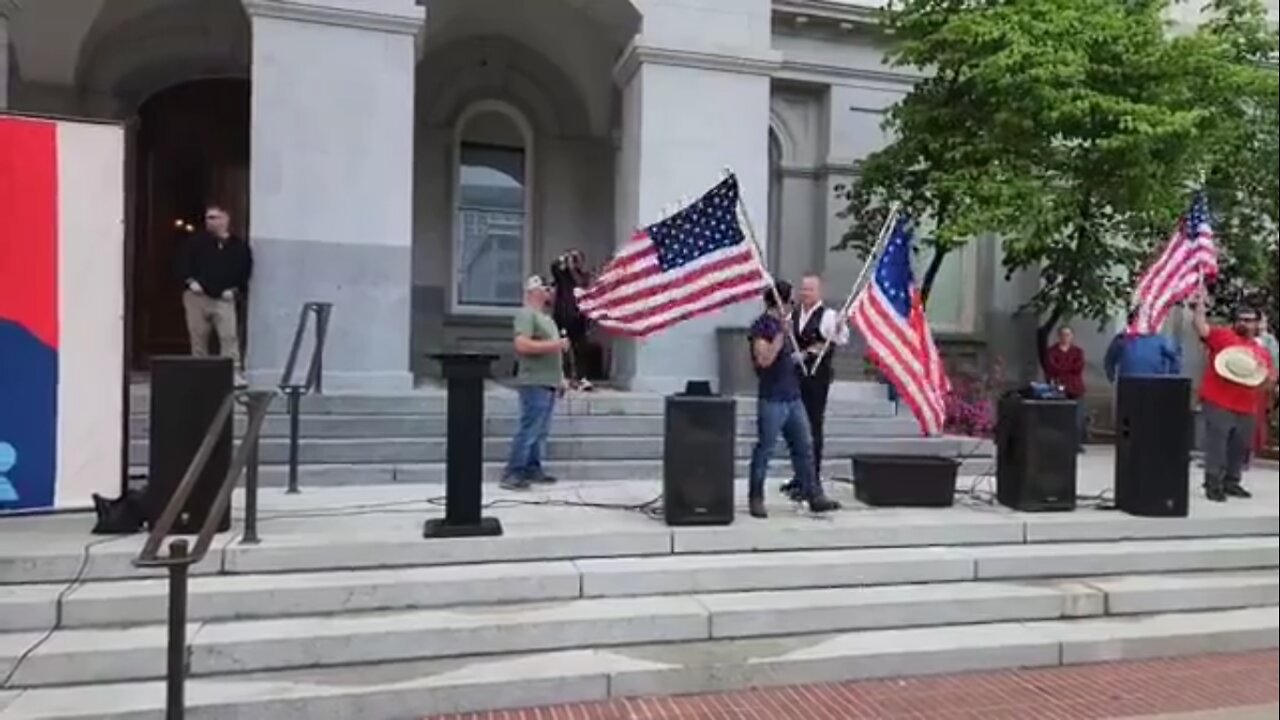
x: 215, y: 269
x: 1228, y: 405
x: 539, y: 381
x: 779, y: 410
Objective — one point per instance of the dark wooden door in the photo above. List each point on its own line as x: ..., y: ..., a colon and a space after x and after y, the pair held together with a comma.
x: 192, y: 149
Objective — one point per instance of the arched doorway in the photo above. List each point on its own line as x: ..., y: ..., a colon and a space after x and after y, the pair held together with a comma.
x: 192, y: 148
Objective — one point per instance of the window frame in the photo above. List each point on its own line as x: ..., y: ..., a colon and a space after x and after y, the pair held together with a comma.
x: 517, y: 119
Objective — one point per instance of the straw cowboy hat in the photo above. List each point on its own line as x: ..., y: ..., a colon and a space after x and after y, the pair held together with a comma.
x: 1240, y: 365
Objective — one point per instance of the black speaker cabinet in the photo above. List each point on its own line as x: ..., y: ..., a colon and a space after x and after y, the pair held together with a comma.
x: 1153, y: 445
x: 185, y: 395
x: 698, y: 460
x: 1036, y: 446
x: 904, y: 480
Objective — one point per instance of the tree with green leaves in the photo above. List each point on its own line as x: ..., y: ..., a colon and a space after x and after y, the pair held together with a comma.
x: 1243, y: 179
x: 1073, y: 130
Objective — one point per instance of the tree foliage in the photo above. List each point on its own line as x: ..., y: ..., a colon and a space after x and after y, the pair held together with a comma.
x: 1073, y: 131
x: 1243, y: 179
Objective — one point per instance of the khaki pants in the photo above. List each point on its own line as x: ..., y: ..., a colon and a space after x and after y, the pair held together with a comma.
x: 205, y: 314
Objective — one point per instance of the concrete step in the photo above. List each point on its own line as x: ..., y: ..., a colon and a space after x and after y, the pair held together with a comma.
x: 417, y: 688
x: 863, y: 400
x: 351, y: 528
x: 233, y: 597
x: 571, y: 449
x: 347, y: 474
x: 429, y: 426
x: 136, y: 653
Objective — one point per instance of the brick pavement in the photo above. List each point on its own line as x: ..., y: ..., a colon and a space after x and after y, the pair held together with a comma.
x: 1081, y: 692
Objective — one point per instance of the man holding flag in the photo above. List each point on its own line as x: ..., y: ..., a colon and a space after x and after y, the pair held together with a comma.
x: 779, y: 409
x: 890, y: 315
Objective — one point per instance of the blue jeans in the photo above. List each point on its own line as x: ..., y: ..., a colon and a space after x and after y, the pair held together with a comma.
x: 537, y: 404
x: 788, y: 419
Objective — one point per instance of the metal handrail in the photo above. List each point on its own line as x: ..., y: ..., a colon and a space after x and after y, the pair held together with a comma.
x: 314, y: 381
x: 181, y: 557
x: 245, y: 458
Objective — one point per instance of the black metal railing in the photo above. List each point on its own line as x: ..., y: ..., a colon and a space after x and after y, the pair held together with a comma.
x: 314, y: 380
x: 181, y: 555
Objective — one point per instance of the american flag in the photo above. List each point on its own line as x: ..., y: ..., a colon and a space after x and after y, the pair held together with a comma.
x: 689, y: 264
x: 1190, y: 257
x: 890, y: 315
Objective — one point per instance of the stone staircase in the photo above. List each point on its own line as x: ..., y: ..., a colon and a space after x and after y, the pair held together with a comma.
x: 339, y: 614
x: 605, y: 435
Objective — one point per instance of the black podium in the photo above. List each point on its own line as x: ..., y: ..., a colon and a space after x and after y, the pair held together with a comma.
x: 464, y: 374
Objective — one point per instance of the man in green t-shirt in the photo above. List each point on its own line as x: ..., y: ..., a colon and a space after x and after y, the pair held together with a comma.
x: 539, y: 381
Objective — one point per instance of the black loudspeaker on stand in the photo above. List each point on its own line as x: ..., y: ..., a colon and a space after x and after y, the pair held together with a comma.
x: 698, y: 459
x: 1153, y: 445
x: 1036, y: 445
x: 186, y: 393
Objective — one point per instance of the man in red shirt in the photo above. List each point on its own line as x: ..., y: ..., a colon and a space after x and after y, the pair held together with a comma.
x: 1064, y: 367
x: 1227, y: 406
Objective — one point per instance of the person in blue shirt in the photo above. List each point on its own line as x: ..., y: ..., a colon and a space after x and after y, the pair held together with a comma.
x: 779, y: 408
x: 1134, y: 354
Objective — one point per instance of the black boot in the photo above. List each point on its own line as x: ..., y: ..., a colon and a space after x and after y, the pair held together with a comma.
x: 1214, y: 490
x: 755, y: 506
x: 823, y: 504
x: 1232, y: 488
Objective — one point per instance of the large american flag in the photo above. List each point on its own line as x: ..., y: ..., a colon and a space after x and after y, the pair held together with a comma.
x: 1190, y: 257
x: 689, y: 264
x: 890, y: 315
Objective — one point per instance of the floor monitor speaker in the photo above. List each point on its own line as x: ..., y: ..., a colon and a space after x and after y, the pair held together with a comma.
x: 698, y: 460
x: 185, y: 396
x: 1036, y: 446
x: 1153, y: 445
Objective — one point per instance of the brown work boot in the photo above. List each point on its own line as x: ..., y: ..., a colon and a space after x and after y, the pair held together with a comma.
x: 755, y: 506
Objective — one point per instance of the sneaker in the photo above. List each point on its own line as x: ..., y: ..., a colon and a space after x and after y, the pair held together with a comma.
x: 756, y: 507
x: 543, y: 479
x: 822, y: 504
x: 241, y: 381
x: 1215, y: 493
x: 511, y: 482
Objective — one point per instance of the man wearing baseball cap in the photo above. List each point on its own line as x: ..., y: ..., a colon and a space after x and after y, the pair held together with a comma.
x: 1238, y: 372
x: 539, y: 380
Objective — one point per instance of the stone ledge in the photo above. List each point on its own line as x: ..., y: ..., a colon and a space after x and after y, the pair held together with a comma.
x: 747, y: 61
x: 409, y: 22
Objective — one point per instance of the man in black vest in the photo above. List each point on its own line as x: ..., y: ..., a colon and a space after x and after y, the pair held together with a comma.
x: 815, y: 325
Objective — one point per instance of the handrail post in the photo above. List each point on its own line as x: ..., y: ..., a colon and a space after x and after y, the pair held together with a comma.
x: 177, y: 657
x: 294, y: 397
x: 322, y: 311
x: 251, y: 493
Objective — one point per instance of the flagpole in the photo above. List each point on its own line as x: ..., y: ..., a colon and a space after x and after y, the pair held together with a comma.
x: 874, y: 257
x: 755, y: 252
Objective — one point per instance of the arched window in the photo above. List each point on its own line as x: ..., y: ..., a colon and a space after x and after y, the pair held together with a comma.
x: 491, y: 235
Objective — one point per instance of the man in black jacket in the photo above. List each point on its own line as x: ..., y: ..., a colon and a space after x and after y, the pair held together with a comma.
x: 215, y: 270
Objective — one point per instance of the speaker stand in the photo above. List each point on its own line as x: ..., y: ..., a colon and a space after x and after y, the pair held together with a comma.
x: 465, y: 374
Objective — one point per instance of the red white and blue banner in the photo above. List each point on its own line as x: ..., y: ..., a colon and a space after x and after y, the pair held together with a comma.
x: 61, y: 312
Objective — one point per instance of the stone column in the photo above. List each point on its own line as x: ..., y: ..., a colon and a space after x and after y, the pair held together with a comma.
x: 695, y: 95
x: 331, y: 184
x: 7, y: 7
